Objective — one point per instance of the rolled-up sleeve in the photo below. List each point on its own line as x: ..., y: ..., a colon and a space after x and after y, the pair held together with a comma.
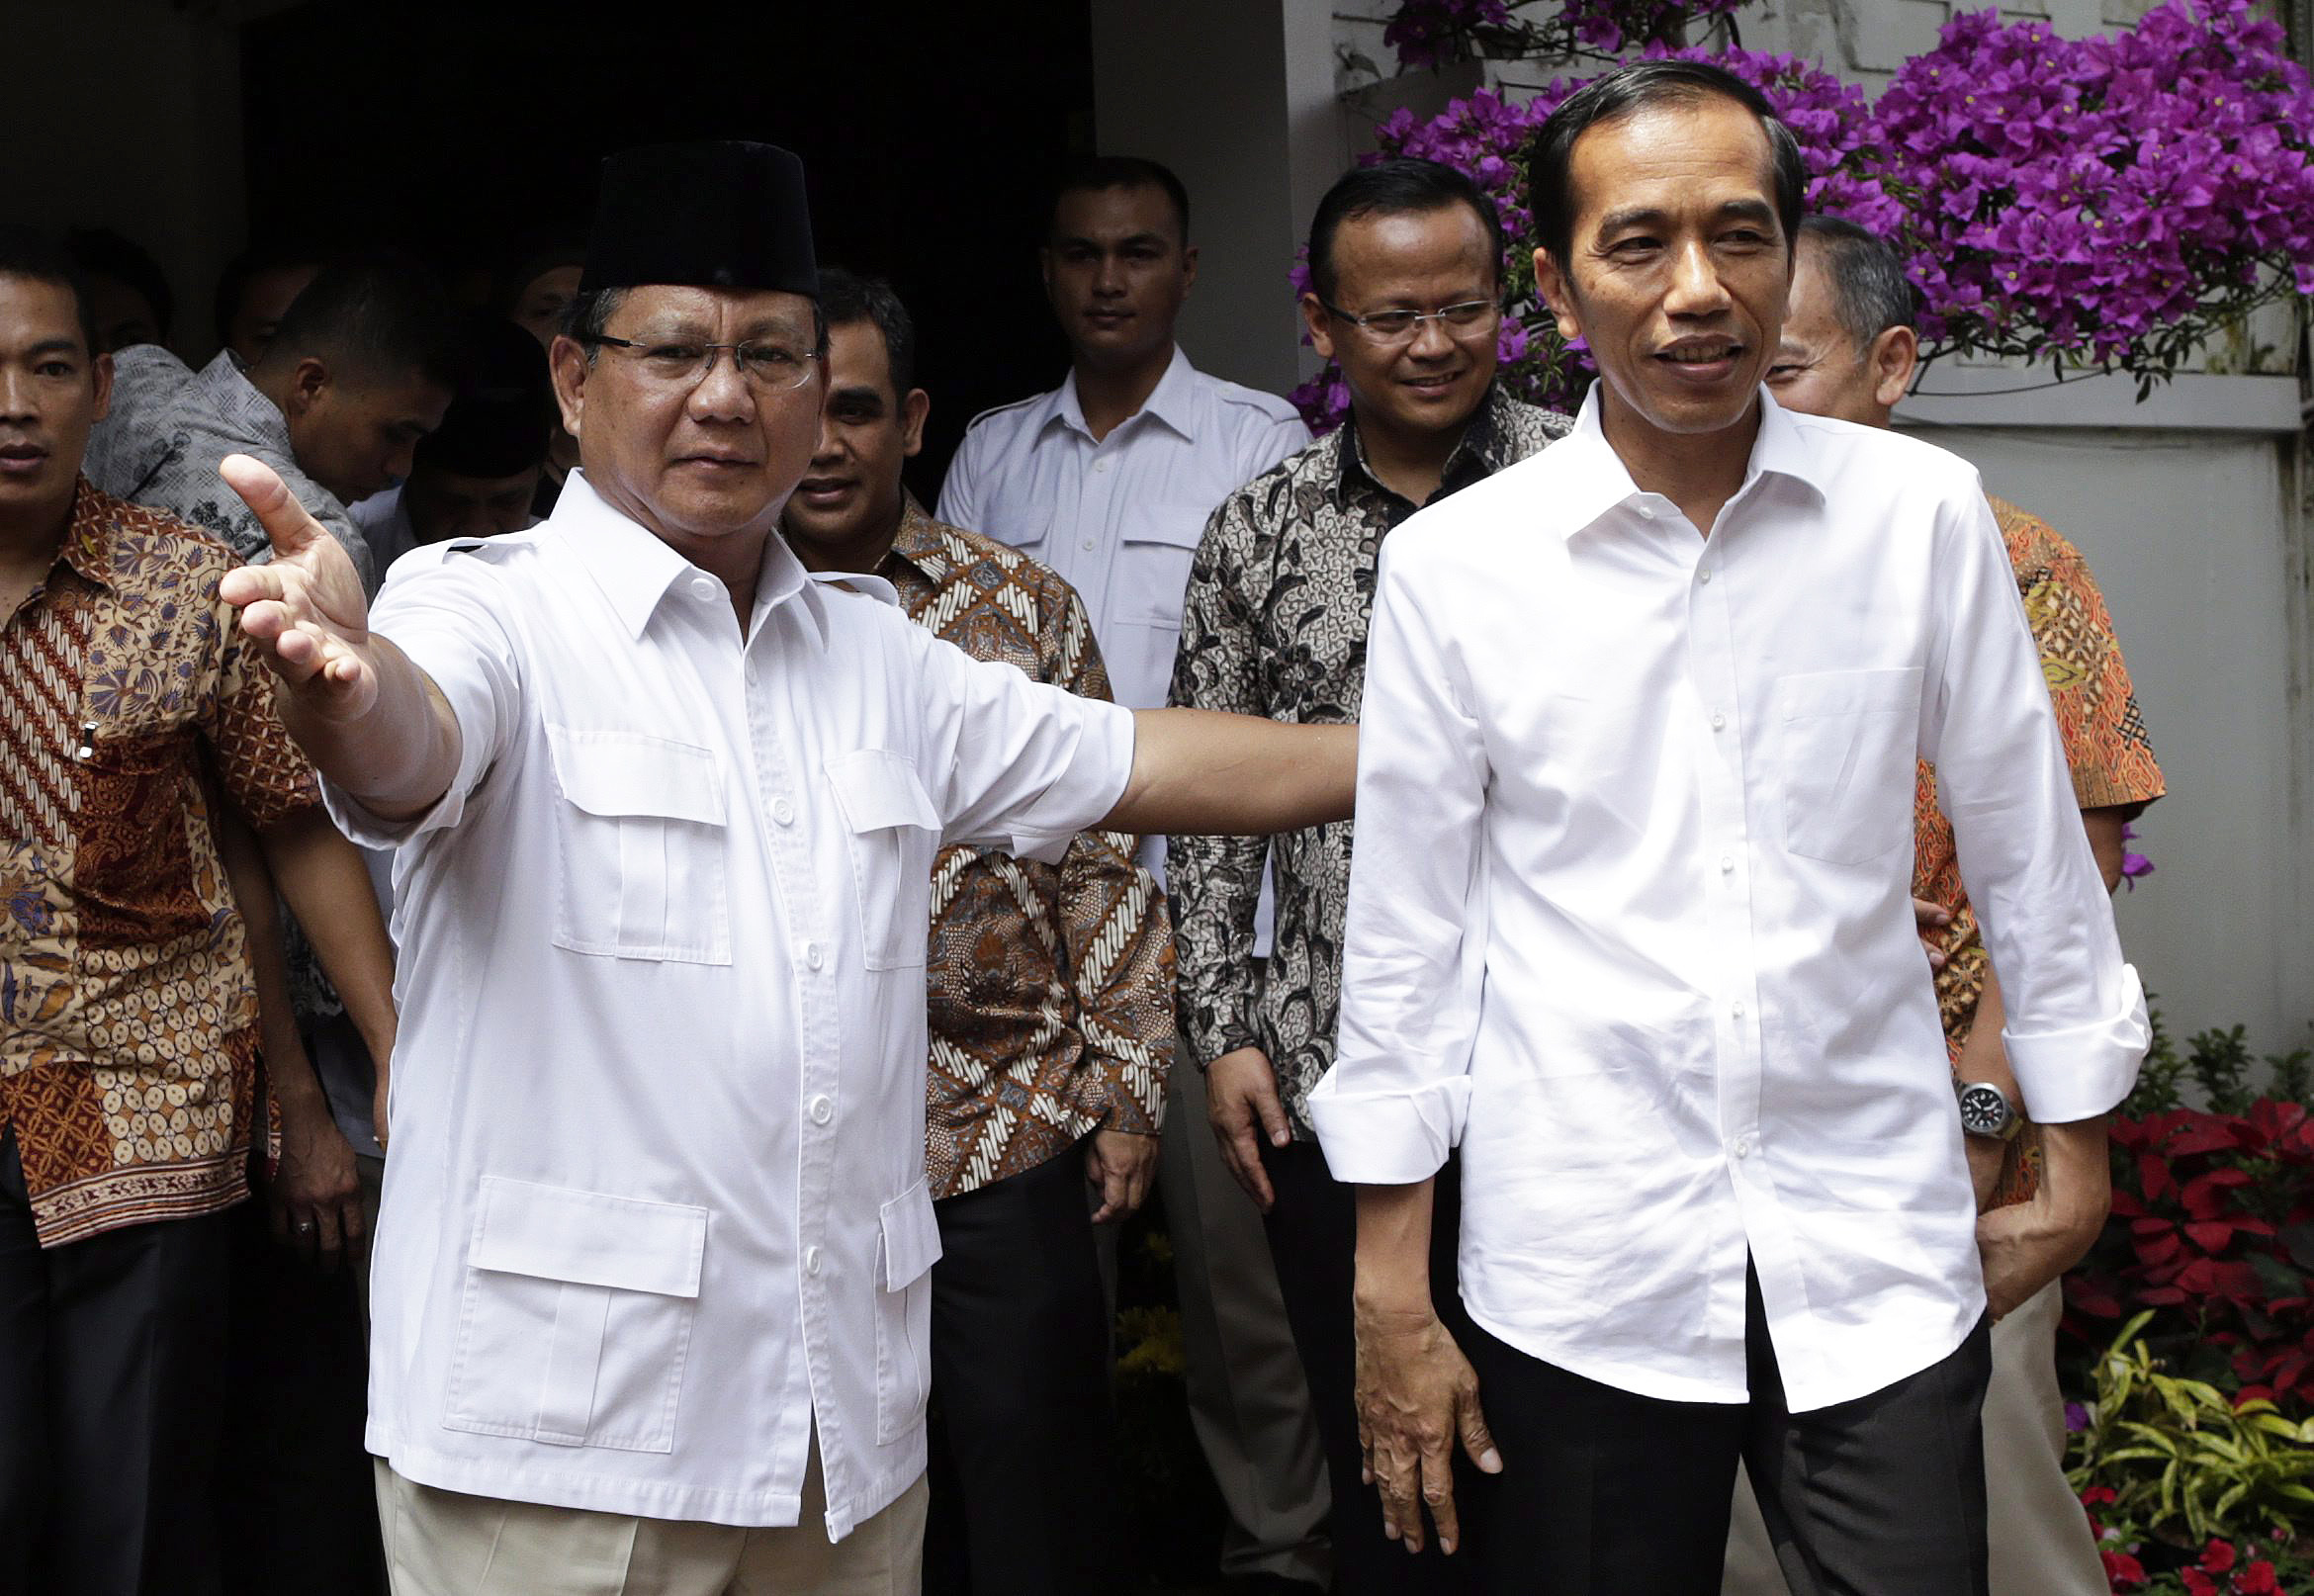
x: 2076, y: 1029
x: 1394, y: 1105
x: 437, y: 608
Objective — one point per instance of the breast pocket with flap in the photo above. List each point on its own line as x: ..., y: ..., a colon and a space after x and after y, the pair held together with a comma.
x: 642, y: 839
x: 576, y: 1319
x: 894, y: 834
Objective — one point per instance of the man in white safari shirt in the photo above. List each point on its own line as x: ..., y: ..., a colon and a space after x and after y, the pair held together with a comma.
x: 650, y: 1284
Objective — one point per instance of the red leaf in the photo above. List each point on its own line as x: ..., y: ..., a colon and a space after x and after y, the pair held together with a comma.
x: 2159, y: 1247
x: 2204, y: 1195
x: 2210, y: 1235
x: 2094, y: 1299
x: 2215, y: 1136
x: 2153, y: 1176
x: 2160, y: 1296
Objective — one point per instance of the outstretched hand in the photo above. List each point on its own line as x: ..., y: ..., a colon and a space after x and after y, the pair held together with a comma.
x: 306, y: 610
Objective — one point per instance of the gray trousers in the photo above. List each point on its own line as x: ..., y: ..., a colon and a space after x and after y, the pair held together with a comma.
x: 2040, y: 1536
x: 1248, y: 1401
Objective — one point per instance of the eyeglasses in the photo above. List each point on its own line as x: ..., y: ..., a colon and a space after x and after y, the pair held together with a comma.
x: 771, y: 367
x: 1403, y: 326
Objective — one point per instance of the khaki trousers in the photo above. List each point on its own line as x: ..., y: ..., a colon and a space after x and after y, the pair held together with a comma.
x: 2038, y: 1534
x: 442, y: 1543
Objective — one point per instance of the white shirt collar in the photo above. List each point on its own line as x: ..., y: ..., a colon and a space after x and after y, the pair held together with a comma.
x: 1601, y: 481
x: 635, y: 567
x: 1173, y: 401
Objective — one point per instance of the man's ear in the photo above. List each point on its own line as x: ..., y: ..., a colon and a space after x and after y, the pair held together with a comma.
x: 100, y: 371
x: 1044, y: 266
x: 1320, y: 323
x: 912, y: 410
x: 566, y: 363
x: 1188, y: 268
x: 308, y: 383
x: 1896, y: 356
x: 1557, y: 293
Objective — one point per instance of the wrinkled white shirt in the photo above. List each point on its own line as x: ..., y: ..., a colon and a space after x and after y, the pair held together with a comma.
x: 1629, y: 916
x: 1119, y: 518
x: 656, y: 1203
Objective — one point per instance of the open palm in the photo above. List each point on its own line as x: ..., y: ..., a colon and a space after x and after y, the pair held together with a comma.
x: 304, y: 610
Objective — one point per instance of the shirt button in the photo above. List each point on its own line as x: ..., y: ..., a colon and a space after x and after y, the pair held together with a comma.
x: 813, y: 956
x: 1719, y: 723
x: 1101, y: 465
x: 822, y: 1108
x: 1704, y: 576
x: 1087, y: 544
x: 706, y: 588
x: 751, y: 673
x: 811, y: 1260
x: 1737, y: 1010
x: 1647, y: 512
x: 1727, y: 864
x: 783, y: 811
x: 1744, y: 1147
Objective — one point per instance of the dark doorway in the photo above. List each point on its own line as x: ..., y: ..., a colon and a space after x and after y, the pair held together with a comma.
x: 467, y: 132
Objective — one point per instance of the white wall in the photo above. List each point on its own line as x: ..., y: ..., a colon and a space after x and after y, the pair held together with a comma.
x: 150, y: 145
x: 2198, y: 544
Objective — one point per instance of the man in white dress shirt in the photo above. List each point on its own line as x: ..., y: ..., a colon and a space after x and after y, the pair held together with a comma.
x: 1656, y: 805
x: 1109, y: 480
x: 650, y: 1293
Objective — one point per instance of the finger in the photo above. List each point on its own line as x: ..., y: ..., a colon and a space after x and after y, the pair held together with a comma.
x: 353, y: 1227
x: 302, y: 1239
x: 1478, y: 1441
x: 288, y: 526
x: 327, y: 1242
x: 1273, y: 1114
x: 1438, y: 1495
x: 1398, y: 1477
x: 1245, y: 1159
x: 1364, y: 1449
x: 245, y: 586
x: 1137, y: 1184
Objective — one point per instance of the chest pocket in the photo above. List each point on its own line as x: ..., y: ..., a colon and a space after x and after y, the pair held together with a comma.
x: 641, y: 838
x: 1153, y: 564
x: 893, y: 833
x: 1848, y: 755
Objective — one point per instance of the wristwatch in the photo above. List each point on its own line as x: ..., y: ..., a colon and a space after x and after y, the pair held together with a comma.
x: 1986, y: 1111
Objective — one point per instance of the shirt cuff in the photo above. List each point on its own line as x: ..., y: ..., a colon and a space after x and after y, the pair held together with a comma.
x: 1092, y: 786
x: 1388, y: 1138
x: 2085, y: 1069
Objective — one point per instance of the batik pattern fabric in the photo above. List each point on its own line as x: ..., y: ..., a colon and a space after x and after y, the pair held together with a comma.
x: 2105, y: 746
x: 1279, y: 595
x: 130, y: 712
x: 168, y: 429
x: 1051, y: 987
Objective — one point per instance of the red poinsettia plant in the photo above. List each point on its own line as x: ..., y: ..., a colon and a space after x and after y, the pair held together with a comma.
x: 2213, y: 1222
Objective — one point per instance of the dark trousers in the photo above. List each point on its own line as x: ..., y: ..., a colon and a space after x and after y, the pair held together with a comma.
x: 1606, y: 1493
x: 300, y: 1515
x: 1314, y: 1235
x: 110, y: 1403
x: 1023, y: 1479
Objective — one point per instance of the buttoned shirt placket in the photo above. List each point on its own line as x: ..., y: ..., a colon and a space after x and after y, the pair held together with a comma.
x: 1714, y: 681
x: 812, y: 944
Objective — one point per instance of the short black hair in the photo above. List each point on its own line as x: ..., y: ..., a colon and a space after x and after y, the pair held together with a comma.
x: 378, y: 316
x: 1633, y: 88
x: 1870, y: 292
x: 1096, y: 174
x: 1402, y: 186
x: 846, y: 298
x: 29, y: 253
x: 244, y: 269
x: 102, y: 252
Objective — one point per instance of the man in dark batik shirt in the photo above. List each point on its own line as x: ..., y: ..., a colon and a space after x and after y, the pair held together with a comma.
x: 1407, y: 286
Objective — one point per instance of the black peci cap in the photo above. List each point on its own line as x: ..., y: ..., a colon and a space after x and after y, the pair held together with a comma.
x: 710, y: 214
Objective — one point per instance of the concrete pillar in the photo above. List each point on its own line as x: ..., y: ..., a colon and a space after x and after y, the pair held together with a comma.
x: 1236, y: 96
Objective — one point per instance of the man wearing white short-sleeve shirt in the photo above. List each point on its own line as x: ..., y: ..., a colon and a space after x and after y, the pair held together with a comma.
x: 650, y: 1288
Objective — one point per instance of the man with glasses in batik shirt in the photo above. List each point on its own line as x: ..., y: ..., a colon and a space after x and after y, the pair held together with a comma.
x: 1405, y: 284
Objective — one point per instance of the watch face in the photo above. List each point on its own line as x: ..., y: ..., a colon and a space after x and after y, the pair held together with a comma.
x: 1984, y: 1110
